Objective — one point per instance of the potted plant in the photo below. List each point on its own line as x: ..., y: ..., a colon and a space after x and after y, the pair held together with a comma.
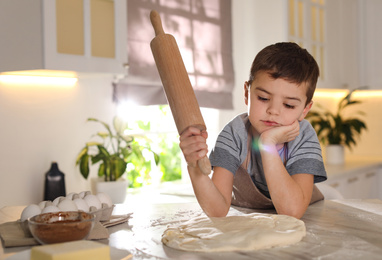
x: 112, y: 154
x: 335, y: 130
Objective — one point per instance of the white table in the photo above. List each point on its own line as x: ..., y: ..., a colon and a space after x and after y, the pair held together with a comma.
x: 343, y: 229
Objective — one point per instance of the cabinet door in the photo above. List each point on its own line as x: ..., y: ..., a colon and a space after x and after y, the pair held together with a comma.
x: 340, y: 185
x: 85, y: 35
x: 369, y: 189
x: 370, y: 20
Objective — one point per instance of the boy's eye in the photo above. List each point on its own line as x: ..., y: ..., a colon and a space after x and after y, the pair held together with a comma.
x: 262, y: 98
x: 289, y: 106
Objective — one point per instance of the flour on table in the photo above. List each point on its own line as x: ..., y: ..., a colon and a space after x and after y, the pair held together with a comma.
x: 234, y: 233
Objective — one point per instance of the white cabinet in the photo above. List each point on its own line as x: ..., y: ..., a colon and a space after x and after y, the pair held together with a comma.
x: 354, y: 38
x: 356, y: 180
x: 370, y: 20
x: 35, y: 35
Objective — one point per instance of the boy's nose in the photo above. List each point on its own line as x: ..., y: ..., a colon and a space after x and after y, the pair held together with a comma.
x: 273, y: 109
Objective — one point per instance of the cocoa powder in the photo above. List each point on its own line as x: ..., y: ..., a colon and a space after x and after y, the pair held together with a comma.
x: 49, y: 230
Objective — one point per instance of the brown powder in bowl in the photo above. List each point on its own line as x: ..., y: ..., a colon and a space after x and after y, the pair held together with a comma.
x: 60, y: 227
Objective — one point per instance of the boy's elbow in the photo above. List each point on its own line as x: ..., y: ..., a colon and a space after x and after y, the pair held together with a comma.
x: 293, y: 212
x: 216, y: 213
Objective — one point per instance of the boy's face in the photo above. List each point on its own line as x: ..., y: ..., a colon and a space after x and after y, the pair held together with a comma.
x: 274, y: 102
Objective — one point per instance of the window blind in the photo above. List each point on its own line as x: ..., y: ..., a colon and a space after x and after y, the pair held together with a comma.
x: 202, y: 29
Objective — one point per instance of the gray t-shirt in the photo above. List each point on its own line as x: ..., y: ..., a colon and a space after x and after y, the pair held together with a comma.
x: 302, y: 155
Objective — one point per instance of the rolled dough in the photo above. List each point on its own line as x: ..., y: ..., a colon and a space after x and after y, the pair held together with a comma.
x: 234, y: 233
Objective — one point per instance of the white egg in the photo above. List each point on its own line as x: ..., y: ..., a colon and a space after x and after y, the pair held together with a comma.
x: 81, y: 204
x: 83, y: 194
x: 30, y: 211
x: 42, y: 204
x: 49, y: 203
x: 105, y: 198
x: 67, y: 205
x: 50, y: 208
x: 92, y: 200
x: 58, y: 200
x: 71, y: 195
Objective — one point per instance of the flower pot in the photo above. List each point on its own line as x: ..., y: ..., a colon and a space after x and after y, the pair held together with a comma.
x: 117, y: 190
x: 335, y: 154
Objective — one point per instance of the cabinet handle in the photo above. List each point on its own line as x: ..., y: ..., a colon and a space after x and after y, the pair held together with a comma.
x: 351, y: 180
x: 370, y: 174
x: 335, y: 185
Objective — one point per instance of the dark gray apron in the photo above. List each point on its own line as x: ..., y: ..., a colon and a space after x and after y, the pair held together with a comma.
x: 246, y: 194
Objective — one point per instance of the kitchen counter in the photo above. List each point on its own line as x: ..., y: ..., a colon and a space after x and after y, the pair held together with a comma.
x: 338, y: 229
x: 352, y: 166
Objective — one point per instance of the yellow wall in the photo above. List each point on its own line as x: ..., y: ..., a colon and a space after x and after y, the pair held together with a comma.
x: 369, y: 144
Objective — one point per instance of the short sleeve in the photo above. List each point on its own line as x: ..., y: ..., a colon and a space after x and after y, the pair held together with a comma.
x: 304, y: 154
x: 231, y: 145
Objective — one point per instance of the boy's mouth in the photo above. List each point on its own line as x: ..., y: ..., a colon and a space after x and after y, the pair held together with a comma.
x: 270, y: 123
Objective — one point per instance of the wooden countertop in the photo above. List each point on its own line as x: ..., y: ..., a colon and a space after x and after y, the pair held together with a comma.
x: 341, y: 229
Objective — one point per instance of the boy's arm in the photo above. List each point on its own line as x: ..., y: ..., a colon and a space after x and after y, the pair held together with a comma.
x: 213, y: 194
x: 290, y: 195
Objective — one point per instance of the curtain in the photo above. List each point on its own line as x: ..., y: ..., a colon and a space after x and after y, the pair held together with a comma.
x: 202, y: 29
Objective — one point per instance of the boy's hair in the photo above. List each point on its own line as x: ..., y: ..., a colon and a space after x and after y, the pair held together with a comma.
x: 288, y: 61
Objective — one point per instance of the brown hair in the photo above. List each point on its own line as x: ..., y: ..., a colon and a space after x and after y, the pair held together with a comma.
x: 288, y: 61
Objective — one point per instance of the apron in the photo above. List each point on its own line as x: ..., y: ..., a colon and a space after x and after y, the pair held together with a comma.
x: 246, y: 194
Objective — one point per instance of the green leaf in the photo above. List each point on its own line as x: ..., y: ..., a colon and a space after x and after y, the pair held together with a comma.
x: 84, y: 165
x: 101, y: 170
x: 120, y: 125
x: 81, y: 154
x: 118, y: 167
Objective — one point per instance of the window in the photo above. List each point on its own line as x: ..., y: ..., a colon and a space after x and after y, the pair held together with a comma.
x: 202, y: 29
x: 307, y: 28
x: 157, y: 125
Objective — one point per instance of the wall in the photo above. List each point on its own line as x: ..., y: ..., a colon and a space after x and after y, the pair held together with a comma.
x: 255, y: 24
x: 370, y: 142
x: 40, y: 125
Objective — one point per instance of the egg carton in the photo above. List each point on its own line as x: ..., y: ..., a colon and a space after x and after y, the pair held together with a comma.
x: 102, y: 214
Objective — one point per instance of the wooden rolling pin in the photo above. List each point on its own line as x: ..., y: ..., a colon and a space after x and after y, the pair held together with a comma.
x: 176, y: 83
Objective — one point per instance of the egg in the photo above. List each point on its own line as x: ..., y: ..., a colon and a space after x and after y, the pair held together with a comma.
x: 50, y: 209
x: 105, y: 198
x: 67, y: 205
x: 81, y: 204
x: 92, y: 200
x: 72, y: 196
x: 42, y: 204
x: 58, y: 200
x: 83, y: 194
x: 30, y: 211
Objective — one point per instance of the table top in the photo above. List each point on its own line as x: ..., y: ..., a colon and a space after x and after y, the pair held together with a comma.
x: 338, y: 229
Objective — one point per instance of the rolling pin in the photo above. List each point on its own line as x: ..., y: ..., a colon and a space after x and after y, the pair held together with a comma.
x: 176, y: 83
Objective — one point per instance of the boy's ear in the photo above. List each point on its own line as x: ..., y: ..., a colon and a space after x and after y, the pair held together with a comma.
x: 306, y: 110
x: 246, y: 90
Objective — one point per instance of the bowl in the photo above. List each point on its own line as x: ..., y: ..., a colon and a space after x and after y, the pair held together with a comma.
x: 59, y: 227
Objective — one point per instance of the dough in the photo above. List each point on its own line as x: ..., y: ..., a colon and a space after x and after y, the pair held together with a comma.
x: 234, y: 233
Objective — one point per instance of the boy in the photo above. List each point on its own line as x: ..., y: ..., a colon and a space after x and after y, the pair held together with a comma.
x: 270, y: 156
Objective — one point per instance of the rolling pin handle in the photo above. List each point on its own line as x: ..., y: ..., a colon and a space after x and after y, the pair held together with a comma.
x: 156, y: 22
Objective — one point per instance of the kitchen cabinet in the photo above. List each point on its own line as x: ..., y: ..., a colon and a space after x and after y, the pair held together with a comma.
x: 356, y: 180
x: 75, y: 35
x: 354, y: 37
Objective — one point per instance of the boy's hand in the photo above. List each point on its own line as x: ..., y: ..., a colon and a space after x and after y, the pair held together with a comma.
x: 193, y: 143
x: 280, y: 134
